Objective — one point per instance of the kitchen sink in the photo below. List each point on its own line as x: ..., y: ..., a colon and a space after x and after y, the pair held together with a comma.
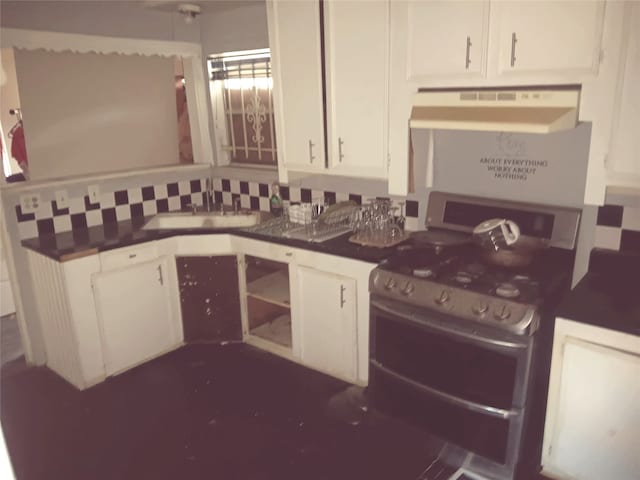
x: 188, y: 220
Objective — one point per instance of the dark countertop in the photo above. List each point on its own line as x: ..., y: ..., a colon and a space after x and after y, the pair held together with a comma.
x: 609, y: 294
x: 78, y: 243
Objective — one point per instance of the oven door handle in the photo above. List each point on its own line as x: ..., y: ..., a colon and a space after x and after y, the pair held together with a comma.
x: 447, y: 397
x: 471, y: 337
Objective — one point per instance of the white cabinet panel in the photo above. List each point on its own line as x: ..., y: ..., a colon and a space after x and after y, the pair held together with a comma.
x: 82, y: 314
x: 446, y: 38
x: 598, y: 428
x: 124, y: 257
x: 134, y: 313
x: 356, y: 39
x: 294, y: 36
x: 592, y: 429
x: 548, y: 36
x: 624, y: 156
x: 328, y: 322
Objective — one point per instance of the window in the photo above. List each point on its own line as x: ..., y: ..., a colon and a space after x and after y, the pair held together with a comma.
x: 241, y: 88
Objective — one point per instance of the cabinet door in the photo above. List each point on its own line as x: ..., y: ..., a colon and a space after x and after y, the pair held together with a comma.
x: 446, y: 38
x: 328, y: 322
x: 624, y: 160
x: 209, y: 298
x: 134, y: 313
x: 356, y: 40
x: 294, y: 37
x: 597, y: 429
x: 548, y: 36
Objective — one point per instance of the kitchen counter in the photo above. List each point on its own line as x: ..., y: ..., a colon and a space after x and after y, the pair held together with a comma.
x: 78, y: 243
x: 608, y: 295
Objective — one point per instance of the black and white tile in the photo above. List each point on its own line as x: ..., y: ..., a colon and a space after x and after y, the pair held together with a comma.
x: 112, y: 207
x: 618, y: 228
x: 145, y: 200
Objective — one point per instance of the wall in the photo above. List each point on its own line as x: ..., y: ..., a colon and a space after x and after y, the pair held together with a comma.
x: 618, y: 221
x: 89, y: 113
x: 128, y: 19
x: 241, y: 28
x: 9, y: 98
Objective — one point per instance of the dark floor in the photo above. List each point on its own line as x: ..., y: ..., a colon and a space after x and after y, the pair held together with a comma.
x: 201, y: 412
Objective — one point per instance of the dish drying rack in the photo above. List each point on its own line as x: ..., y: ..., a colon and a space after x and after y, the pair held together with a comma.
x: 327, y: 225
x: 332, y: 223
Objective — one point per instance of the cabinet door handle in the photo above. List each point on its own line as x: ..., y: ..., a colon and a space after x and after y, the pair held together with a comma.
x: 132, y: 255
x: 342, y: 300
x: 160, y: 279
x: 311, y: 145
x: 468, y: 59
x: 514, y: 40
x: 289, y: 254
x: 340, y: 154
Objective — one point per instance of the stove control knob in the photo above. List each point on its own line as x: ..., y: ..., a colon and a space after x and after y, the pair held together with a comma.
x: 390, y: 284
x: 502, y: 313
x: 443, y: 298
x: 408, y: 289
x: 480, y: 308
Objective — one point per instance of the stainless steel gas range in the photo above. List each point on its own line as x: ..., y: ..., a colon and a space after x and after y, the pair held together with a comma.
x: 459, y: 343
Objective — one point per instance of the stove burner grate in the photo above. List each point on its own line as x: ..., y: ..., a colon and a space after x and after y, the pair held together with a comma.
x: 507, y: 290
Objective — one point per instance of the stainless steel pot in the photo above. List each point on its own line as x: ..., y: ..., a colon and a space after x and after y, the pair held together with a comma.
x: 440, y: 239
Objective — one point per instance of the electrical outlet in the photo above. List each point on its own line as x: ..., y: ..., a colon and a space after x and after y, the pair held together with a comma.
x: 94, y: 193
x: 29, y: 202
x: 62, y: 200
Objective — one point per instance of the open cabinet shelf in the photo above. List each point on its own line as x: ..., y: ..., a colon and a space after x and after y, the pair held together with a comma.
x: 272, y: 288
x: 268, y: 301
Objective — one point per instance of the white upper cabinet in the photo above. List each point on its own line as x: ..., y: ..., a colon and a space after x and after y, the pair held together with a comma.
x: 294, y: 36
x: 356, y: 40
x: 355, y: 86
x: 446, y: 38
x: 547, y: 37
x: 624, y: 159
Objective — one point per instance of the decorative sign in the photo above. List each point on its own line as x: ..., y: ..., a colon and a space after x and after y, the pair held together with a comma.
x: 513, y: 164
x: 541, y: 168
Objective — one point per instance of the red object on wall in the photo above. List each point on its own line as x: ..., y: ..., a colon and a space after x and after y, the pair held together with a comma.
x: 18, y: 147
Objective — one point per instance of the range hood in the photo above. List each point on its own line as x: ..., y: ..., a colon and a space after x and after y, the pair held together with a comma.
x: 522, y: 109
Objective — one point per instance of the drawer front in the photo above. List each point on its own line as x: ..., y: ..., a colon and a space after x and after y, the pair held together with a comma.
x: 257, y: 248
x: 124, y: 257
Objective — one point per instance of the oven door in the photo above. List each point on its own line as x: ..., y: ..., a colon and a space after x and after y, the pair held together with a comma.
x: 465, y: 385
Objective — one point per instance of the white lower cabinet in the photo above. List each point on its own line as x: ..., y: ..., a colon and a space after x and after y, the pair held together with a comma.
x: 326, y: 298
x: 328, y: 311
x: 68, y: 317
x: 134, y: 314
x: 105, y: 313
x: 592, y: 428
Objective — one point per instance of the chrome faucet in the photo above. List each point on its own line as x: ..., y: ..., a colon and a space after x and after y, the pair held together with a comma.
x: 209, y: 192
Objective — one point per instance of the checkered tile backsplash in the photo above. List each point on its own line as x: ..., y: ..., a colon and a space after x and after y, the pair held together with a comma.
x: 122, y: 205
x: 618, y: 228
